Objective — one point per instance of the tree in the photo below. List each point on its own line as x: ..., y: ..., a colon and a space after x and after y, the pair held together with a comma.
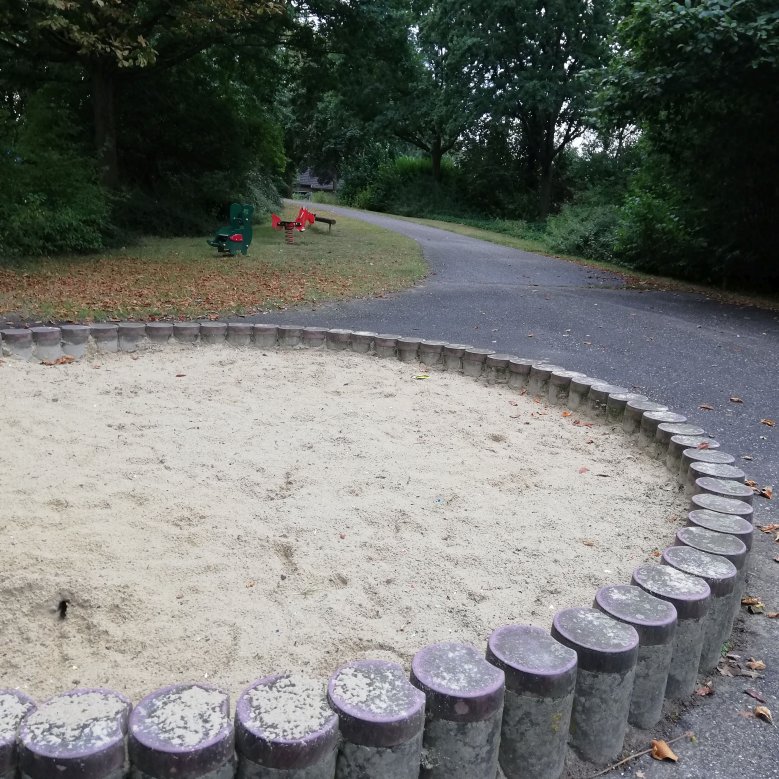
x: 113, y: 40
x: 702, y: 80
x: 526, y: 59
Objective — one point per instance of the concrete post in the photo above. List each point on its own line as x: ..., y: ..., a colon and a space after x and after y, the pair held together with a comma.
x: 473, y: 361
x: 314, y: 337
x: 285, y: 729
x: 47, y: 343
x: 385, y: 345
x: 186, y: 332
x: 579, y: 390
x: 720, y: 574
x: 540, y: 682
x: 182, y: 731
x: 464, y: 695
x: 431, y: 355
x: 105, y: 336
x: 538, y: 383
x: 698, y: 469
x: 381, y: 716
x: 14, y: 705
x: 453, y: 357
x: 722, y: 505
x: 559, y: 386
x: 606, y: 652
x: 159, y: 332
x: 290, y: 336
x: 665, y: 430
x: 408, y: 348
x: 265, y: 336
x: 723, y: 523
x: 518, y: 371
x: 75, y: 734
x: 74, y: 340
x: 695, y: 455
x: 17, y: 342
x: 362, y: 341
x: 213, y: 333
x: 649, y: 423
x: 496, y: 368
x: 634, y: 411
x: 679, y: 443
x: 239, y: 334
x: 339, y: 340
x: 724, y: 488
x: 130, y: 335
x: 655, y: 622
x: 615, y: 405
x: 724, y: 545
x: 690, y: 596
x: 598, y: 397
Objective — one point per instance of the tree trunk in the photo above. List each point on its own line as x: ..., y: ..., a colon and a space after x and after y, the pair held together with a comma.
x: 546, y: 162
x: 104, y: 114
x: 435, y: 156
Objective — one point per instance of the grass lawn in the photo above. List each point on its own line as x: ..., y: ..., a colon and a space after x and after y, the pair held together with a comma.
x: 184, y: 277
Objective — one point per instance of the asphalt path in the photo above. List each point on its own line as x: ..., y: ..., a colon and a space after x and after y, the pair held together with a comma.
x: 682, y: 349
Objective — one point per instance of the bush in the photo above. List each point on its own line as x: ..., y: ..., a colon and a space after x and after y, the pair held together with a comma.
x: 585, y: 230
x: 50, y: 200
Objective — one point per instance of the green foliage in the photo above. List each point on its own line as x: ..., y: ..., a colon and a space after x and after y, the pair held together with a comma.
x: 50, y: 200
x: 584, y: 230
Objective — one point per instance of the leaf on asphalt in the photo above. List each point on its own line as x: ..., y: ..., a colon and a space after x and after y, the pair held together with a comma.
x: 751, y: 600
x: 769, y: 422
x: 706, y: 407
x: 705, y: 690
x: 751, y: 483
x: 764, y: 713
x: 661, y: 751
x: 747, y: 457
x: 755, y: 665
x: 771, y: 528
x: 758, y: 608
x: 735, y: 399
x: 772, y: 614
x: 752, y: 693
x: 723, y: 670
x: 766, y: 492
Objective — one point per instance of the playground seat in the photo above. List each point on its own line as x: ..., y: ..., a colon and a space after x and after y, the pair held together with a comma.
x: 237, y: 235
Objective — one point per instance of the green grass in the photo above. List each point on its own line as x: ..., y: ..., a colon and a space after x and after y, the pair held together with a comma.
x: 184, y: 277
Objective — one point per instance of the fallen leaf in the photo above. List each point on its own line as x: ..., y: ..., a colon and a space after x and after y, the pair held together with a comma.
x: 754, y: 694
x: 766, y: 492
x: 750, y: 600
x: 422, y: 376
x: 250, y: 583
x: 661, y: 751
x: 707, y: 689
x: 769, y: 422
x: 530, y: 335
x: 772, y: 614
x: 655, y: 553
x: 706, y: 407
x: 772, y: 528
x: 751, y: 483
x: 588, y: 542
x: 764, y: 713
x: 66, y: 359
x: 747, y: 457
x: 584, y: 469
x: 704, y: 445
x: 758, y: 608
x: 180, y: 375
x: 640, y: 775
x: 750, y: 674
x: 755, y: 665
x: 567, y: 413
x: 725, y: 671
x: 735, y: 399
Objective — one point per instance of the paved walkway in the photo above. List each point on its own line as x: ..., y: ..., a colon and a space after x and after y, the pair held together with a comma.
x: 675, y: 347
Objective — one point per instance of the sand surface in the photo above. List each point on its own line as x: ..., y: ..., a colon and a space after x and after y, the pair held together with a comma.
x: 214, y: 514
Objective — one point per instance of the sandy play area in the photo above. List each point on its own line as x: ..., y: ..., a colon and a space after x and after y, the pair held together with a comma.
x: 215, y: 514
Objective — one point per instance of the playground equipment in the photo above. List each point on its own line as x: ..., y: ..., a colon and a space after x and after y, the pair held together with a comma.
x: 300, y: 222
x: 237, y: 235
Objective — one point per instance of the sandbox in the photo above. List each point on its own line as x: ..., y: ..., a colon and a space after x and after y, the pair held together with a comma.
x: 190, y: 513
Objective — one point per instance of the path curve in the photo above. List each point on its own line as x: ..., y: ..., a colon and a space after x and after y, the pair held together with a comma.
x: 677, y: 347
